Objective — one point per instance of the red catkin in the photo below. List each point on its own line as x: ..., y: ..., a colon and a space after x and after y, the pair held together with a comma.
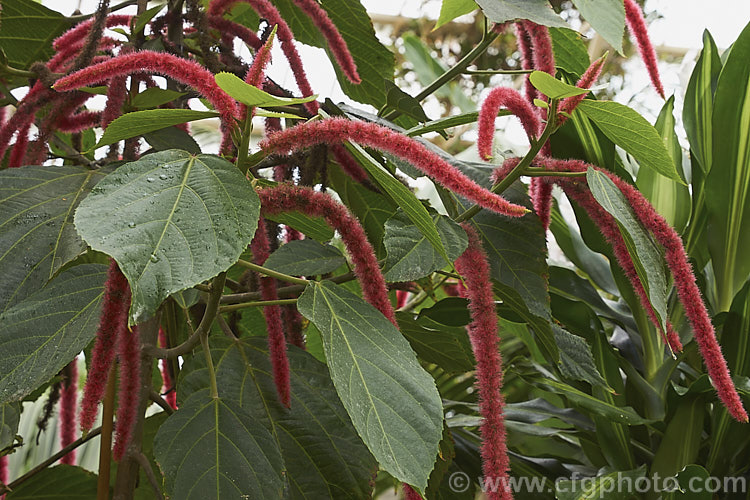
x: 80, y: 31
x: 485, y: 342
x: 586, y: 81
x: 276, y: 340
x: 183, y: 70
x: 293, y: 322
x: 288, y: 198
x: 527, y: 58
x: 168, y: 389
x: 639, y: 30
x: 112, y: 324
x: 68, y: 404
x: 18, y: 152
x: 128, y: 392
x: 337, y: 130
x: 504, y: 97
x: 336, y: 42
x: 684, y: 282
x: 348, y: 164
x: 3, y: 472
x: 267, y: 11
x: 117, y: 92
x: 79, y: 121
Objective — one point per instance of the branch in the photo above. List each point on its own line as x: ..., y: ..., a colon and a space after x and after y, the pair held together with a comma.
x: 286, y: 291
x: 146, y: 466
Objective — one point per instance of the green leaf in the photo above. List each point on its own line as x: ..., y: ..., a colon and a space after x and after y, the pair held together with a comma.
x: 646, y: 255
x: 606, y: 17
x: 405, y: 199
x: 172, y: 138
x: 682, y: 439
x: 671, y: 199
x: 687, y: 479
x: 323, y: 455
x: 36, y: 225
x: 410, y: 255
x: 62, y: 482
x: 252, y: 96
x: 446, y: 346
x: 10, y: 414
x: 154, y: 97
x: 171, y: 220
x: 448, y: 122
x: 144, y: 18
x: 141, y: 122
x: 450, y: 311
x: 451, y: 9
x: 371, y: 208
x: 211, y: 448
x: 305, y: 258
x: 314, y: 227
x: 569, y: 50
x: 401, y: 101
x: 605, y: 486
x: 27, y: 29
x: 728, y: 181
x: 539, y: 11
x: 622, y: 414
x: 553, y: 88
x: 629, y: 130
x: 40, y: 335
x: 699, y: 102
x: 392, y: 401
x: 576, y: 360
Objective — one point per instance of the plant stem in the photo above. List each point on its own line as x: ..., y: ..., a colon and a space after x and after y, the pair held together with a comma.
x: 105, y: 444
x: 146, y: 466
x: 212, y: 307
x: 272, y: 273
x: 51, y: 460
x: 115, y: 8
x: 519, y: 169
x: 540, y: 172
x: 456, y: 70
x: 286, y: 291
x: 156, y: 398
x: 210, y: 366
x: 262, y: 303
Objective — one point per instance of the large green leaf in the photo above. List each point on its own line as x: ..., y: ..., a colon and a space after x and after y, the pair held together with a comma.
x: 10, y: 414
x: 170, y: 220
x: 451, y: 9
x: 622, y: 414
x: 604, y: 486
x: 539, y: 11
x: 670, y: 198
x: 392, y: 401
x: 305, y: 258
x: 699, y: 100
x: 682, y: 439
x: 576, y: 360
x: 211, y: 448
x: 569, y: 50
x: 323, y: 455
x: 728, y: 181
x: 607, y: 17
x: 446, y: 346
x: 141, y: 122
x: 410, y: 255
x: 646, y: 255
x: 36, y: 225
x: 27, y: 29
x: 554, y: 88
x: 62, y: 482
x: 629, y: 130
x: 40, y: 335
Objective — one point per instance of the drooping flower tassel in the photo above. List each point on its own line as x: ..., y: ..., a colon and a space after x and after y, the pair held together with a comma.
x: 112, y: 324
x: 639, y: 30
x: 504, y: 97
x: 586, y: 81
x: 276, y: 338
x: 338, y: 130
x: 68, y: 404
x: 288, y: 198
x: 485, y: 342
x: 330, y: 32
x: 129, y: 390
x: 180, y: 69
